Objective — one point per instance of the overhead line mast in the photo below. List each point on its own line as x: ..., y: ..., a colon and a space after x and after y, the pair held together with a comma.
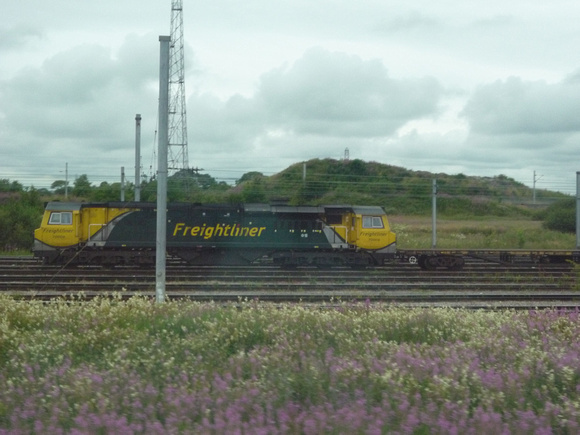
x: 178, y: 158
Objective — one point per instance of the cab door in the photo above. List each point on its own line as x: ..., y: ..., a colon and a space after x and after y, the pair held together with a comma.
x: 351, y: 223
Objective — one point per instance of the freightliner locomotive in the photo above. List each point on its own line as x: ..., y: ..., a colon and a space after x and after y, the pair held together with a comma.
x: 125, y: 234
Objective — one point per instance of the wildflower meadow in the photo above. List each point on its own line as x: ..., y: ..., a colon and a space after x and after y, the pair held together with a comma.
x: 111, y: 366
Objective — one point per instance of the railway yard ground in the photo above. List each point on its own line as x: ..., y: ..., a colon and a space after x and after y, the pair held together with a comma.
x: 481, y: 284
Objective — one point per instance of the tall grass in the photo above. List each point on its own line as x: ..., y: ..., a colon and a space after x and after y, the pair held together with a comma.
x: 109, y: 366
x: 416, y: 233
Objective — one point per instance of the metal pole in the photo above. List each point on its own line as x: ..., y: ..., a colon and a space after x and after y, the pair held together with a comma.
x: 534, y: 189
x: 163, y: 140
x: 122, y: 184
x: 577, y: 210
x: 137, y: 157
x: 434, y: 217
x: 66, y: 181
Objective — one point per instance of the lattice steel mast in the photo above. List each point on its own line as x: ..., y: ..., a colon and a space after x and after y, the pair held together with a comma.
x: 178, y: 158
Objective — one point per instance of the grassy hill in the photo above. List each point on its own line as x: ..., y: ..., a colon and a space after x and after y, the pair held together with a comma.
x: 398, y: 190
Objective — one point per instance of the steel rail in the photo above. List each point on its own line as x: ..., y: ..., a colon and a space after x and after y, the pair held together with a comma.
x: 399, y: 284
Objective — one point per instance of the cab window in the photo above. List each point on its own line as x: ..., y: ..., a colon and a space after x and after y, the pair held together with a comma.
x: 60, y: 218
x: 372, y: 222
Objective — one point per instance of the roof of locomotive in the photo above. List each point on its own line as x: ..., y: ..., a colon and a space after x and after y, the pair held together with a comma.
x: 356, y: 209
x: 283, y: 208
x: 63, y: 206
x: 364, y: 209
x: 250, y: 207
x: 321, y: 209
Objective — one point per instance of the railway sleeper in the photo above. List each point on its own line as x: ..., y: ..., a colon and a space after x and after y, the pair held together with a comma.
x: 322, y: 260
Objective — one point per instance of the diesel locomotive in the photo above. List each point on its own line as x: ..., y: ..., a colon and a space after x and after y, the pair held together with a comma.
x: 116, y: 233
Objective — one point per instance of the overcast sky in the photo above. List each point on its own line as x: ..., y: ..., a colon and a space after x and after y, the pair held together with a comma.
x: 479, y: 88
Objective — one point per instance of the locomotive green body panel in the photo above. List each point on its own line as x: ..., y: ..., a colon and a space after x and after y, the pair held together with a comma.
x: 220, y: 228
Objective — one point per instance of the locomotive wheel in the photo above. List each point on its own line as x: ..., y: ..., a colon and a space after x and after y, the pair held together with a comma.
x: 427, y: 263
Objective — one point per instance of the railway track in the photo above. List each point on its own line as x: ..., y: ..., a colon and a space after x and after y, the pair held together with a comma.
x: 480, y: 285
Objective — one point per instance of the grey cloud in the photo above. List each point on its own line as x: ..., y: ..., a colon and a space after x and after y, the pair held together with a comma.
x: 407, y: 22
x: 84, y: 94
x: 479, y: 154
x: 138, y: 60
x: 71, y: 77
x: 495, y: 22
x: 338, y: 94
x: 17, y: 37
x: 327, y: 99
x: 514, y: 106
x: 218, y: 126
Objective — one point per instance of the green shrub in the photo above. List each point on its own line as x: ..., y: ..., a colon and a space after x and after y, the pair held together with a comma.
x: 561, y: 216
x: 20, y: 216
